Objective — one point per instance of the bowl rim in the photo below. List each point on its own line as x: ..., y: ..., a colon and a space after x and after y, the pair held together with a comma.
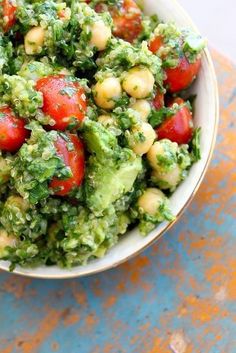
x: 94, y: 271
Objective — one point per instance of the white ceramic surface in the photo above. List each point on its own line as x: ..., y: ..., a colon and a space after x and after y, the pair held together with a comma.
x: 206, y: 116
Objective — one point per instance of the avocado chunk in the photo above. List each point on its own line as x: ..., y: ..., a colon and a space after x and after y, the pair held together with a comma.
x: 105, y: 183
x: 99, y: 141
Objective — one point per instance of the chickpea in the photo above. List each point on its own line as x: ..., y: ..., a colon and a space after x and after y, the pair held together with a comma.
x: 145, y: 132
x: 139, y: 82
x: 156, y: 149
x: 162, y: 148
x: 34, y: 40
x: 106, y: 92
x: 106, y: 120
x: 171, y: 179
x: 151, y: 200
x: 6, y: 240
x: 143, y: 107
x: 18, y: 202
x: 100, y: 35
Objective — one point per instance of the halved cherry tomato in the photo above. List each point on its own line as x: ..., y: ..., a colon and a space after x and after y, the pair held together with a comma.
x: 12, y: 130
x: 63, y: 100
x: 64, y: 14
x: 158, y: 101
x: 156, y: 44
x: 61, y: 14
x: 8, y: 14
x: 182, y: 76
x: 72, y: 158
x: 127, y: 21
x: 179, y: 127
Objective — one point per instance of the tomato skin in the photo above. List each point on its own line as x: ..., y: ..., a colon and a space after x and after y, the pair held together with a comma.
x: 179, y: 127
x: 12, y: 130
x: 9, y: 12
x: 182, y: 76
x: 64, y: 108
x: 156, y: 44
x: 127, y: 21
x: 61, y: 14
x: 158, y: 101
x: 75, y: 160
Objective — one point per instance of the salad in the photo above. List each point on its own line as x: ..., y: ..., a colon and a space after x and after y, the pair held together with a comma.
x: 95, y: 128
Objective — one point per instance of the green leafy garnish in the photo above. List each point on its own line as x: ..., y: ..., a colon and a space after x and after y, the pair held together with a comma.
x: 195, y: 145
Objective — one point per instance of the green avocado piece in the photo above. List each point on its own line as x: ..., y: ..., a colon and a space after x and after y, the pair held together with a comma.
x: 106, y: 184
x: 99, y: 141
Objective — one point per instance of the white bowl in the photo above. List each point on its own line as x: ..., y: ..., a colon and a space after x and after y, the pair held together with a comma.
x: 206, y: 116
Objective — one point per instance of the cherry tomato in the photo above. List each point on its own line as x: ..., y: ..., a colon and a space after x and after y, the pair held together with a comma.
x: 182, y: 76
x: 8, y: 14
x: 158, y: 101
x: 127, y: 21
x: 63, y: 100
x: 62, y: 14
x: 75, y: 160
x: 156, y: 44
x: 12, y: 130
x: 179, y: 127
